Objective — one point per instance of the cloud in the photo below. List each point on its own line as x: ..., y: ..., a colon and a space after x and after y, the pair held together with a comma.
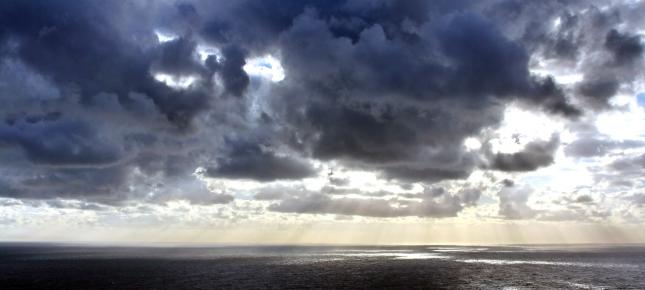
x: 95, y: 107
x: 272, y: 193
x: 585, y: 36
x: 637, y: 199
x: 97, y: 184
x: 60, y: 143
x: 535, y: 154
x: 629, y: 165
x: 508, y: 183
x: 595, y: 146
x: 350, y: 114
x: 583, y: 199
x: 624, y: 172
x: 76, y: 205
x: 250, y: 161
x: 178, y: 56
x: 315, y: 203
x: 235, y: 78
x: 624, y: 47
x: 432, y: 202
x: 90, y: 52
x: 599, y: 90
x: 427, y: 174
x: 513, y: 203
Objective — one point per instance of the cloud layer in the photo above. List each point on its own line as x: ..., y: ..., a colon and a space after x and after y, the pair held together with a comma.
x: 130, y: 102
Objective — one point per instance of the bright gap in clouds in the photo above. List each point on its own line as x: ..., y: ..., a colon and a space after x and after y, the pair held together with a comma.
x: 267, y: 67
x: 177, y: 82
x: 561, y: 74
x: 472, y: 144
x: 640, y: 100
x: 629, y: 121
x: 622, y: 125
x: 165, y: 37
x: 521, y: 127
x: 205, y: 51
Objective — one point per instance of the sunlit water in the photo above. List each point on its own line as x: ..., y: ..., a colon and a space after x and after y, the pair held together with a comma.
x: 46, y: 266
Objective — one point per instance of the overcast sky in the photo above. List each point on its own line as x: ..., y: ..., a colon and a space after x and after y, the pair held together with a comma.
x: 322, y: 121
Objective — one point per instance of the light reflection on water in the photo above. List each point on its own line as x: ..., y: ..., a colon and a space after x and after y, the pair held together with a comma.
x: 440, y: 253
x: 414, y: 256
x: 545, y: 263
x: 456, y: 249
x: 373, y: 251
x: 407, y: 255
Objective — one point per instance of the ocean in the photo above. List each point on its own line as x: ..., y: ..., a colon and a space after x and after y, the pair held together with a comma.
x: 76, y: 266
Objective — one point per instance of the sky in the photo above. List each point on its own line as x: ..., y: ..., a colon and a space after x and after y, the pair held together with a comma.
x: 342, y: 121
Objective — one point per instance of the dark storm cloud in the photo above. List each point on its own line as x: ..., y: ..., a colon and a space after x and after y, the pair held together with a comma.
x: 99, y: 184
x: 231, y: 69
x: 532, y: 23
x: 604, y: 77
x: 235, y: 78
x: 59, y: 143
x: 624, y: 47
x: 584, y: 34
x: 178, y: 56
x: 565, y: 44
x: 251, y: 161
x: 81, y: 45
x: 599, y: 90
x: 387, y: 86
x: 440, y: 72
x: 466, y: 57
x: 535, y: 154
x: 256, y: 24
x: 89, y: 72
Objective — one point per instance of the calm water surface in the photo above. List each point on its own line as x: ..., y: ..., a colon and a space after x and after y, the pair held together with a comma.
x: 66, y: 266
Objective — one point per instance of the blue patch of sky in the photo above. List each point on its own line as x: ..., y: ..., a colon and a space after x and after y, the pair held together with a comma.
x: 640, y: 99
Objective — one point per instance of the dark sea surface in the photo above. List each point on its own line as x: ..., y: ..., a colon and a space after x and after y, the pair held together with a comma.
x: 67, y: 266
